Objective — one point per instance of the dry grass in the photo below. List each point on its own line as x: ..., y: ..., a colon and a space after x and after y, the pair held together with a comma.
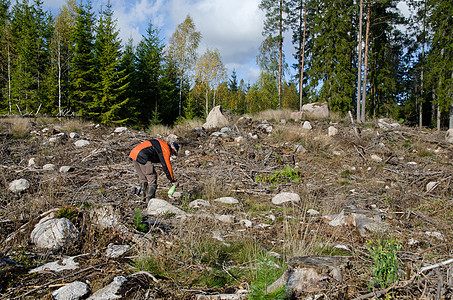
x: 17, y: 126
x: 73, y: 125
x: 272, y: 114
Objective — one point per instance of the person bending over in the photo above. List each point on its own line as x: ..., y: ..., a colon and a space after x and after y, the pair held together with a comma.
x: 144, y: 155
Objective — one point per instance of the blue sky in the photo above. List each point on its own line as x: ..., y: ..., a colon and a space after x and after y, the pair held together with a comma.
x: 232, y: 26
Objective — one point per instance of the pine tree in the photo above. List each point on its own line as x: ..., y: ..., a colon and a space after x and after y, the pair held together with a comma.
x: 275, y: 25
x: 111, y: 82
x: 82, y: 66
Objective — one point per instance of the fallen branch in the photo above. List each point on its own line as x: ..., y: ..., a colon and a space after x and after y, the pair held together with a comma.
x: 58, y: 279
x: 441, y: 264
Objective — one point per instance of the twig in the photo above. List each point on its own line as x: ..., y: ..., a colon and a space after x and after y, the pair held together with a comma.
x: 55, y: 280
x: 441, y: 264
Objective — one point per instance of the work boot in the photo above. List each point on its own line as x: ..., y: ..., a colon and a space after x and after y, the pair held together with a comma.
x: 143, y: 189
x: 150, y: 192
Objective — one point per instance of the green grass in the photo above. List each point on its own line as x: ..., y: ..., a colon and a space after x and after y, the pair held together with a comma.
x: 282, y: 176
x: 384, y: 264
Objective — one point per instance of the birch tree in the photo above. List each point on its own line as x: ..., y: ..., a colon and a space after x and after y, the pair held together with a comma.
x: 211, y: 71
x: 182, y: 50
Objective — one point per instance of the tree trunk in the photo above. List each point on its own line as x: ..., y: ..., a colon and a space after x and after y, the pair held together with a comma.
x: 450, y: 125
x: 180, y: 97
x: 280, y: 54
x: 359, y: 62
x: 59, y: 79
x: 207, y: 101
x: 422, y: 92
x: 365, y: 69
x: 9, y: 80
x: 302, y: 58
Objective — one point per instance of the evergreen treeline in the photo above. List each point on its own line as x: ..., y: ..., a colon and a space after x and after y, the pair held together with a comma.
x: 74, y: 62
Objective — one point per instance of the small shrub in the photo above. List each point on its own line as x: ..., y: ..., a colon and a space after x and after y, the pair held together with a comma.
x: 138, y: 219
x: 384, y: 267
x: 68, y: 212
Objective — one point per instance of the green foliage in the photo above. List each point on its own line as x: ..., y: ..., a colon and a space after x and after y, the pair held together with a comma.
x: 68, y: 212
x: 138, y: 219
x: 384, y: 264
x: 268, y: 270
x: 282, y: 176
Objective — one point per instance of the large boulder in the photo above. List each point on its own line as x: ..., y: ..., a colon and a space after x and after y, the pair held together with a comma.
x: 158, y: 207
x: 316, y: 110
x: 54, y: 233
x: 216, y: 118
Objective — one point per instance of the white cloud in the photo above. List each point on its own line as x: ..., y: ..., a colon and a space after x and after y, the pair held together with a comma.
x: 232, y: 26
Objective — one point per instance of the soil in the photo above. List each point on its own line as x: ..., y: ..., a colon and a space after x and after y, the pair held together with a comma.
x: 383, y: 171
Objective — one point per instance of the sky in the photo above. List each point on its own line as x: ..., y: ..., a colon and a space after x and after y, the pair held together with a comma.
x: 233, y: 27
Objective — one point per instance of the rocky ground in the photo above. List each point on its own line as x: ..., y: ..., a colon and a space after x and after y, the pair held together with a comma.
x: 256, y: 199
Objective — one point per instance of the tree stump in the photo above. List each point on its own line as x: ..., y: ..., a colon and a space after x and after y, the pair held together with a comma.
x: 308, y: 274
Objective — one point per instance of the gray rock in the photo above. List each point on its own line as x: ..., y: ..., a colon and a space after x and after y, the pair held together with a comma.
x: 299, y: 148
x: 67, y: 263
x: 54, y: 233
x: 199, y: 203
x: 172, y: 138
x: 19, y: 185
x: 114, y: 251
x: 307, y: 125
x: 225, y: 218
x: 227, y: 200
x: 74, y: 135
x: 81, y: 143
x: 388, y: 124
x: 316, y: 110
x: 246, y: 223
x: 158, y: 207
x: 431, y: 186
x: 285, y: 197
x: 111, y: 291
x: 73, y: 291
x: 332, y: 131
x: 312, y: 212
x: 66, y: 169
x: 32, y: 163
x: 216, y: 118
x: 120, y: 129
x: 49, y: 167
x: 449, y: 136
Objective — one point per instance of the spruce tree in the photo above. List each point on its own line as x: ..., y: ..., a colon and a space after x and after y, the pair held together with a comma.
x: 149, y: 54
x: 82, y: 66
x: 111, y: 81
x: 332, y: 77
x: 5, y: 55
